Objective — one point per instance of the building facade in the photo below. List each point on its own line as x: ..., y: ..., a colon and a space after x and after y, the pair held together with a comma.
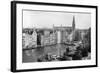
x: 34, y: 37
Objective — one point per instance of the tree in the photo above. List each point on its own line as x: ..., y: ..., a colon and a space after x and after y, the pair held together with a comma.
x: 76, y: 35
x: 87, y: 40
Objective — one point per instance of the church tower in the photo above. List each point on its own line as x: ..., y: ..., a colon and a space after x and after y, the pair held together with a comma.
x: 73, y: 23
x: 73, y: 29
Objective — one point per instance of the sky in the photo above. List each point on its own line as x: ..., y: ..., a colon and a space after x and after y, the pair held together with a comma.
x: 44, y: 19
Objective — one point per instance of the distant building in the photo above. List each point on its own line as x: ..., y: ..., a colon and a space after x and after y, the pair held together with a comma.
x: 33, y: 37
x: 67, y: 33
x: 29, y: 39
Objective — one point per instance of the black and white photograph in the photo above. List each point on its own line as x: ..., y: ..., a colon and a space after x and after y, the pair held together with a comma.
x: 55, y: 36
x: 48, y: 36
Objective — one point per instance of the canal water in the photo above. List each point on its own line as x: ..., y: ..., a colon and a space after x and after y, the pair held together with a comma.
x: 31, y: 55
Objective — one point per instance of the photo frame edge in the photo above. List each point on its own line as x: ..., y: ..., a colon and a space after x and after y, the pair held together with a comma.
x: 14, y: 28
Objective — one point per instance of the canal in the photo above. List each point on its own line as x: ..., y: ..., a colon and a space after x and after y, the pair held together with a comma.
x: 31, y: 55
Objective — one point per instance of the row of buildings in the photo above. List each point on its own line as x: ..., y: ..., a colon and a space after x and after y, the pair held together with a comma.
x: 34, y: 37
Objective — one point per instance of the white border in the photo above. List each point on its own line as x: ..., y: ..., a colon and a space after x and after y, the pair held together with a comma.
x: 37, y: 65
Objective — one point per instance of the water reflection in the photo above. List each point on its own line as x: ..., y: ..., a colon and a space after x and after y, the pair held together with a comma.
x: 33, y: 54
x: 58, y: 52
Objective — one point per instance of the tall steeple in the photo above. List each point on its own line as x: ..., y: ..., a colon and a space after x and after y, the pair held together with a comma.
x: 73, y: 23
x: 73, y: 29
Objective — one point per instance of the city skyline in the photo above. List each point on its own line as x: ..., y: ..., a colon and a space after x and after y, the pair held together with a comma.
x: 40, y: 19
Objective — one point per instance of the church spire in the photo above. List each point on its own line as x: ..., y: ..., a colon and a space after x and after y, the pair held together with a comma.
x: 73, y: 23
